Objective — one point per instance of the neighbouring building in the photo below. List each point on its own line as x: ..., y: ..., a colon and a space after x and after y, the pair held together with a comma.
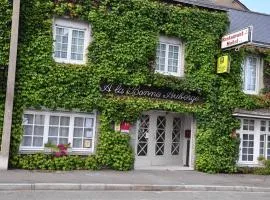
x: 134, y: 84
x: 255, y: 124
x: 227, y: 4
x: 236, y: 4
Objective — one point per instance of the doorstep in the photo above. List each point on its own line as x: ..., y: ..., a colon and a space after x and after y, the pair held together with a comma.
x: 164, y: 168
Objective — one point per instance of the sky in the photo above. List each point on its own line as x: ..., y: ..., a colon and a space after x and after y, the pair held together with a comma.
x: 262, y: 6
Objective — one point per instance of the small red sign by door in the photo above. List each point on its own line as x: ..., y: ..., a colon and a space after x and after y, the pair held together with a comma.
x: 124, y: 127
x: 187, y: 133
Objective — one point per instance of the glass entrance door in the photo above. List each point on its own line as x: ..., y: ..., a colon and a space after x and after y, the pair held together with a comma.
x: 159, y: 140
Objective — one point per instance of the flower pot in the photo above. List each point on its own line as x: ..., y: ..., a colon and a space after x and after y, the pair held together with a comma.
x: 47, y: 149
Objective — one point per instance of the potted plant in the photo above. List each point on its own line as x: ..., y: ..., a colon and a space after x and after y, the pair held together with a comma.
x: 63, y: 150
x: 49, y: 147
x: 261, y: 160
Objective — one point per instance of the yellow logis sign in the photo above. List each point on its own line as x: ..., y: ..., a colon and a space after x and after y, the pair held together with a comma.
x: 223, y: 65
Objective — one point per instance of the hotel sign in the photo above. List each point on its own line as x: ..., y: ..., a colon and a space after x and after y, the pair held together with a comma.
x: 236, y: 38
x: 151, y: 92
x: 223, y: 65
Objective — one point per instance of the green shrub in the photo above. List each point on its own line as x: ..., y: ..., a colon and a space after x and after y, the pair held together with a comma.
x: 48, y: 162
x: 261, y: 158
x: 265, y: 170
x: 246, y: 170
x: 266, y: 163
x: 114, y: 151
x: 216, y: 152
x: 91, y: 163
x: 262, y: 171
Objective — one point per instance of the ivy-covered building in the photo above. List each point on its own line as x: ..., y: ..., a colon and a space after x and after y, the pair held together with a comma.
x: 255, y: 124
x: 134, y: 84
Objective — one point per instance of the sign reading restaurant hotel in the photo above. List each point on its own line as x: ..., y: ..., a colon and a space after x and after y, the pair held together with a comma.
x: 151, y: 92
x: 236, y: 38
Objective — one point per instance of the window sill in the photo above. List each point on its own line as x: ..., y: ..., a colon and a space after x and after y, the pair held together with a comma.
x: 170, y: 74
x: 248, y: 164
x: 60, y: 61
x: 82, y: 153
x: 251, y: 93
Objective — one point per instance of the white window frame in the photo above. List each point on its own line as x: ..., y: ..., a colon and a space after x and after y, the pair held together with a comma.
x: 72, y: 116
x: 72, y: 25
x: 259, y: 72
x: 176, y: 42
x: 257, y: 133
x: 266, y: 134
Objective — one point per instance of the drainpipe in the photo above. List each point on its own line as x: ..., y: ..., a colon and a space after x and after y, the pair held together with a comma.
x: 4, y: 154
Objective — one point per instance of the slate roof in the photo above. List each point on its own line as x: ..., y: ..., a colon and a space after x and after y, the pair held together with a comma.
x: 240, y: 19
x: 260, y: 22
x: 213, y: 4
x: 202, y: 3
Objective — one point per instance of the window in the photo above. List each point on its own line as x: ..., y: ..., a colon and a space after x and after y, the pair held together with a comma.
x: 251, y: 75
x: 71, y: 41
x: 265, y: 140
x: 247, y: 140
x: 83, y: 129
x: 58, y: 128
x: 247, y: 147
x: 255, y: 140
x: 169, y: 57
x: 33, y: 130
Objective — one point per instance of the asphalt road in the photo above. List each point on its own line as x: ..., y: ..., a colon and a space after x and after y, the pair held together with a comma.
x: 118, y: 195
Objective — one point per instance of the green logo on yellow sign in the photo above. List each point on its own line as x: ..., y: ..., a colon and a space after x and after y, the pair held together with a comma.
x: 223, y: 65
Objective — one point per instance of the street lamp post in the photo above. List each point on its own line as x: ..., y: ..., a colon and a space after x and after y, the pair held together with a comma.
x: 4, y: 154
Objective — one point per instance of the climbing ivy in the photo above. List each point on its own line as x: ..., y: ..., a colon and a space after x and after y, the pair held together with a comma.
x: 125, y: 35
x: 5, y: 25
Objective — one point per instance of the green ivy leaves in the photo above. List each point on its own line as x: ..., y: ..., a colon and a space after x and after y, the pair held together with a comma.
x: 125, y: 35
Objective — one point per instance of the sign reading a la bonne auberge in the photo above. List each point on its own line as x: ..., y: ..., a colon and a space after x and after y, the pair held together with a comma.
x: 151, y: 92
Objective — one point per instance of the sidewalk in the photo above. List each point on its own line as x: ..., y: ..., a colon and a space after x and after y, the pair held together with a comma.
x: 138, y: 180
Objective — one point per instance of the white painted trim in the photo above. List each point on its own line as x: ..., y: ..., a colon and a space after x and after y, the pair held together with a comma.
x: 72, y: 116
x: 71, y: 24
x: 169, y: 40
x: 248, y: 165
x: 176, y: 42
x: 256, y: 148
x: 259, y: 75
x: 192, y: 156
x: 153, y: 161
x: 46, y: 130
x: 251, y: 116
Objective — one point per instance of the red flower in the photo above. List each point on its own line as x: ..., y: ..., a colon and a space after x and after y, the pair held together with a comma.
x: 63, y: 152
x: 57, y: 154
x: 61, y: 147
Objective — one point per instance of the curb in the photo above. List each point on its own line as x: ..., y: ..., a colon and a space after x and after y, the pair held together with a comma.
x: 126, y: 187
